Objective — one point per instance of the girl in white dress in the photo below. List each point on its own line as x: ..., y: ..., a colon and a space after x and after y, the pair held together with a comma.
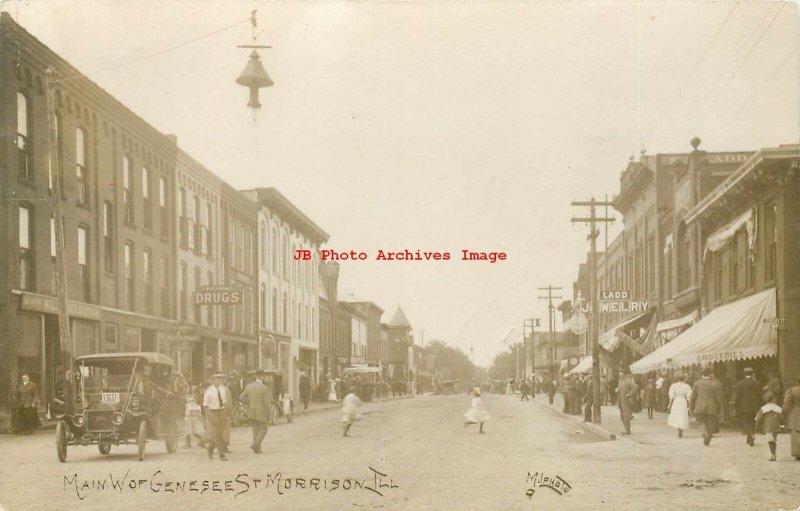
x: 477, y: 413
x: 680, y: 393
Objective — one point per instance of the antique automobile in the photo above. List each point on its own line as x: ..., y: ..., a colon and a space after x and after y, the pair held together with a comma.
x: 122, y: 399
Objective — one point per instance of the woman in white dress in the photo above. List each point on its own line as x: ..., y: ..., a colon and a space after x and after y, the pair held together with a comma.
x: 679, y: 395
x: 477, y: 413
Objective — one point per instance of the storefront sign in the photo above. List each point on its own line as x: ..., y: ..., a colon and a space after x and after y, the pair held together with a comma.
x: 358, y: 360
x: 217, y: 295
x: 623, y: 306
x: 613, y: 295
x: 49, y: 305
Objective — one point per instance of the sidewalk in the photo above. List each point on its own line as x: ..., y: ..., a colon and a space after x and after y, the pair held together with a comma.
x: 643, y: 430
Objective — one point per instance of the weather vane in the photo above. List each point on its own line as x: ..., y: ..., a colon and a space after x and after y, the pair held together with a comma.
x: 254, y: 75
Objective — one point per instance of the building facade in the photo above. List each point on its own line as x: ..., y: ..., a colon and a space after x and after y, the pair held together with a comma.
x: 288, y: 283
x: 111, y: 175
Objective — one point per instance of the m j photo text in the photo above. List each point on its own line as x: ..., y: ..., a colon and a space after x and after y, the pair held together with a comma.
x: 401, y: 255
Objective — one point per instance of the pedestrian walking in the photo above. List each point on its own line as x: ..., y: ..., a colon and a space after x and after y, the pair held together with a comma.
x: 707, y: 404
x: 747, y: 399
x: 791, y: 417
x: 680, y: 394
x: 192, y: 424
x: 259, y: 398
x: 350, y: 406
x: 27, y: 406
x: 768, y: 420
x: 628, y: 394
x: 524, y: 389
x: 588, y: 400
x: 774, y: 383
x: 650, y: 397
x: 477, y: 413
x: 215, y: 403
x: 305, y: 390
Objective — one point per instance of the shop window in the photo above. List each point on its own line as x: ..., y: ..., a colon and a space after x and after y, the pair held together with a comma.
x: 111, y: 341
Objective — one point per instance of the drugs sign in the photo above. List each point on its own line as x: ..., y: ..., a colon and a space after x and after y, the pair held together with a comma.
x: 218, y: 295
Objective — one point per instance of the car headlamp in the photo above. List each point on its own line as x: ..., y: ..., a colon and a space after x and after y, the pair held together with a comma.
x: 78, y: 420
x: 117, y: 418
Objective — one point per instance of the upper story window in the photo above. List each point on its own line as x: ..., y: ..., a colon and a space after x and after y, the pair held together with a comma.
x: 108, y: 236
x: 81, y: 171
x: 147, y: 273
x: 285, y: 255
x: 147, y: 203
x: 83, y: 261
x: 127, y: 191
x: 209, y: 229
x: 26, y: 258
x: 129, y: 276
x: 274, y: 251
x: 24, y: 154
x: 162, y: 207
x: 262, y: 249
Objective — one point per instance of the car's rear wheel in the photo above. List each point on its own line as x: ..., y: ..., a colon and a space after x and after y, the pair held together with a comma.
x: 171, y: 440
x: 104, y: 448
x: 61, y: 441
x: 141, y: 440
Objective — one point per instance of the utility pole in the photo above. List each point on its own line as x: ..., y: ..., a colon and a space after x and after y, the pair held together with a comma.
x: 66, y: 345
x: 531, y: 324
x: 592, y: 220
x: 551, y: 317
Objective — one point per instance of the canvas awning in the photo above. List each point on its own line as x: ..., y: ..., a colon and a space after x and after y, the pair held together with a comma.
x: 584, y: 366
x: 717, y: 240
x: 735, y: 331
x: 677, y: 322
x: 610, y: 339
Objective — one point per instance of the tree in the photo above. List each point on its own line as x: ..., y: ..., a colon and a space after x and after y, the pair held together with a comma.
x: 452, y: 363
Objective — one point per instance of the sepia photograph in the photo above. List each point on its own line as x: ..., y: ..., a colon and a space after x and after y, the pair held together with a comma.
x: 423, y: 255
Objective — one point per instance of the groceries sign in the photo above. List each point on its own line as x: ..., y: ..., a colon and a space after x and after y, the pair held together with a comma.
x: 218, y: 295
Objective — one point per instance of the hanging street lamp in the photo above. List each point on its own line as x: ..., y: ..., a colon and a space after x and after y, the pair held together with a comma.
x: 254, y: 76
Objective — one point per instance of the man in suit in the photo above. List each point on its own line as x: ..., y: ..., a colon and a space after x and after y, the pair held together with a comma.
x: 747, y: 400
x: 707, y: 404
x: 627, y: 393
x: 258, y: 396
x: 215, y: 402
x: 588, y: 399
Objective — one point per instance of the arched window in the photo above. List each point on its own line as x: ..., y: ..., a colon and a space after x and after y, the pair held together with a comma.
x: 24, y: 154
x: 285, y: 257
x: 274, y: 248
x: 274, y: 305
x: 127, y: 190
x: 285, y: 311
x: 81, y: 171
x: 263, y: 307
x: 262, y: 239
x: 294, y: 264
x: 308, y: 325
x: 299, y: 321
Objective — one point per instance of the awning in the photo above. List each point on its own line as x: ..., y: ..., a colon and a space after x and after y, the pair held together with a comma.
x: 735, y: 331
x: 721, y: 237
x: 677, y: 322
x: 645, y: 342
x: 610, y: 339
x: 584, y: 366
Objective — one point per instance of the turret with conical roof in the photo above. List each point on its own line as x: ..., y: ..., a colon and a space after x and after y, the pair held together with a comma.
x: 399, y: 318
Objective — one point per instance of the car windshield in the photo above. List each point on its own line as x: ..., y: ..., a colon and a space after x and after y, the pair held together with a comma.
x: 99, y: 379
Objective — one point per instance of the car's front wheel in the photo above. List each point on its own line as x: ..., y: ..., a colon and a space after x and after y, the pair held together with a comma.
x: 171, y: 440
x: 61, y: 441
x: 141, y: 440
x: 104, y: 448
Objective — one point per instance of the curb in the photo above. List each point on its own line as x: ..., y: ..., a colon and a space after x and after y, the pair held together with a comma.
x: 592, y: 428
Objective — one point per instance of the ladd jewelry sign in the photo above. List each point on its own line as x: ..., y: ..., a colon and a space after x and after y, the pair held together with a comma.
x: 620, y: 300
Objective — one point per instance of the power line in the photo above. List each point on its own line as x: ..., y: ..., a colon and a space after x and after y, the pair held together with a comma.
x: 771, y: 76
x: 155, y: 54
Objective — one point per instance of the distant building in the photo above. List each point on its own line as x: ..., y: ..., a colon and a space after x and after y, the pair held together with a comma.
x: 400, y: 342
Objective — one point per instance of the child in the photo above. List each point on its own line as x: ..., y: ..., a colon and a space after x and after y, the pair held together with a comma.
x: 350, y: 406
x: 650, y: 397
x: 477, y: 413
x: 192, y: 423
x: 769, y: 417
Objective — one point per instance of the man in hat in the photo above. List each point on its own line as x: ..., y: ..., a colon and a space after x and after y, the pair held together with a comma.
x: 216, y: 403
x: 588, y: 399
x: 627, y: 392
x: 707, y: 404
x: 258, y: 396
x: 747, y: 401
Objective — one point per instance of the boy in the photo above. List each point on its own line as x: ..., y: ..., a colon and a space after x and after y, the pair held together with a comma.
x: 769, y: 416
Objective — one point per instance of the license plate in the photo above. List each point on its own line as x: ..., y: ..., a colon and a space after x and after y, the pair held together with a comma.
x: 109, y: 397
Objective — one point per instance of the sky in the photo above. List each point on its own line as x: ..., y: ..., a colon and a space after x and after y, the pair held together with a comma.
x: 443, y: 125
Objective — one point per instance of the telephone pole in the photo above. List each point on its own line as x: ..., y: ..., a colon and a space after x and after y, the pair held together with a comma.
x: 531, y: 324
x: 551, y: 317
x: 592, y: 220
